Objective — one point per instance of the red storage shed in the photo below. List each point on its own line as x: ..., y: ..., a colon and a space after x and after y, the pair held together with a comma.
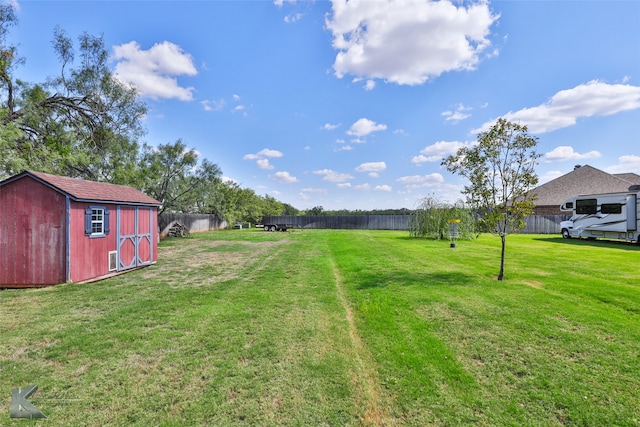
x: 55, y: 229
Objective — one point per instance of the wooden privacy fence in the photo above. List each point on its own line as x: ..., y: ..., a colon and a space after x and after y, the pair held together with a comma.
x: 363, y: 222
x: 193, y: 222
x: 543, y: 224
x: 536, y: 224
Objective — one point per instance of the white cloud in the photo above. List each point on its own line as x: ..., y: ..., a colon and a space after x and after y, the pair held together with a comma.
x: 549, y: 176
x: 344, y: 185
x: 436, y: 152
x: 364, y: 127
x: 236, y: 97
x: 284, y: 177
x: 266, y: 152
x: 457, y: 115
x: 386, y: 188
x: 212, y: 105
x: 294, y: 17
x: 262, y: 158
x: 264, y: 164
x: 153, y: 71
x: 563, y: 152
x: 279, y: 3
x: 362, y: 187
x: 594, y: 98
x: 333, y: 176
x: 305, y: 193
x: 227, y: 179
x: 372, y: 167
x: 370, y: 85
x: 626, y: 164
x: 407, y: 43
x: 345, y: 148
x: 419, y: 181
x: 314, y: 190
x: 329, y: 126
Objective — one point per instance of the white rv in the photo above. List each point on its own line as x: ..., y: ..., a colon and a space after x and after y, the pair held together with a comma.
x: 607, y: 216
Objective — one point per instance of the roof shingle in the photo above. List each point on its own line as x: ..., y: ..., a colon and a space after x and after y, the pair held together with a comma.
x: 583, y: 180
x: 90, y: 190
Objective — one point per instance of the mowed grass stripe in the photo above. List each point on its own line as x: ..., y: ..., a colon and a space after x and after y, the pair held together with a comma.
x: 368, y: 383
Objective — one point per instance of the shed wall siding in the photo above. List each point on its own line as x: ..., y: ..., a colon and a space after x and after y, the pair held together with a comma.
x: 89, y: 257
x: 32, y: 234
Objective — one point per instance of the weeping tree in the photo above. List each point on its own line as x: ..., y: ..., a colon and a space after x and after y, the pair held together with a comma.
x: 501, y: 172
x: 431, y: 219
x: 83, y: 122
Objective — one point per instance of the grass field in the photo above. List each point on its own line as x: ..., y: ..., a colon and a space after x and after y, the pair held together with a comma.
x: 333, y: 328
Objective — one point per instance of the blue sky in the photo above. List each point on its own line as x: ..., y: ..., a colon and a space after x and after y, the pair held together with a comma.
x: 352, y: 105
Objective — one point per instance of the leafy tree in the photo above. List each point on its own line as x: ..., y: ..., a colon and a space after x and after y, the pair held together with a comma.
x: 289, y: 210
x: 501, y: 172
x: 171, y: 174
x: 83, y: 123
x: 271, y: 207
x: 316, y: 210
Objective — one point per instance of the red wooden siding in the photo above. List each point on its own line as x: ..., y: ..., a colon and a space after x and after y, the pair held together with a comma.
x: 32, y: 235
x: 90, y: 256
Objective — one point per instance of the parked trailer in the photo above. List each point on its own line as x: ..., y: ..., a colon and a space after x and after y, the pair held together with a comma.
x: 603, y: 216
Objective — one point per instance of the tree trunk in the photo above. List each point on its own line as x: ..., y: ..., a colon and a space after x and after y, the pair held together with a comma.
x: 504, y: 243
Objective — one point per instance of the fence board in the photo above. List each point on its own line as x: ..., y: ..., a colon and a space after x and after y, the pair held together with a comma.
x: 543, y: 224
x: 193, y: 222
x: 361, y: 222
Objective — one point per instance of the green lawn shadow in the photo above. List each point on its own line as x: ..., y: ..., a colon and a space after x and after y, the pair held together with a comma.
x: 614, y: 244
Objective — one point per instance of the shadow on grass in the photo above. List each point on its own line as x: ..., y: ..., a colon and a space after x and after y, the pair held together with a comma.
x: 406, y: 278
x: 628, y: 246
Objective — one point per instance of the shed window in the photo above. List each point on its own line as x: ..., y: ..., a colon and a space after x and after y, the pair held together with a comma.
x: 96, y: 221
x: 611, y: 208
x: 587, y: 206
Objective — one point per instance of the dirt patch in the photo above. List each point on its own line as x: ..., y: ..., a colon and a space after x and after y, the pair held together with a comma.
x: 199, y: 263
x: 533, y: 283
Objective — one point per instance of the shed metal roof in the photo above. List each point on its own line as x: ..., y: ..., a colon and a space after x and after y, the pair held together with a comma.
x: 84, y: 190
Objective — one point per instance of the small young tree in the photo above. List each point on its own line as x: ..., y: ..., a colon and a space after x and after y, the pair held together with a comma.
x: 501, y: 173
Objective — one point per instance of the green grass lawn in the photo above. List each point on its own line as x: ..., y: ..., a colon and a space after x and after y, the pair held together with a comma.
x: 325, y: 327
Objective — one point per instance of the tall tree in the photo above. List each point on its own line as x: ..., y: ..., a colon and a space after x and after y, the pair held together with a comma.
x: 84, y: 122
x: 501, y: 173
x: 171, y: 174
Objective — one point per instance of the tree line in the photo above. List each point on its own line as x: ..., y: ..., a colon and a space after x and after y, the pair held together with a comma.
x: 85, y: 123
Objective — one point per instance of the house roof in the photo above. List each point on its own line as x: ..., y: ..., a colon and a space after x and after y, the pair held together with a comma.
x: 84, y: 190
x: 583, y: 180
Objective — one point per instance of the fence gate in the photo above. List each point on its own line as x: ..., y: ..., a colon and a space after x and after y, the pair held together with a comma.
x: 135, y: 244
